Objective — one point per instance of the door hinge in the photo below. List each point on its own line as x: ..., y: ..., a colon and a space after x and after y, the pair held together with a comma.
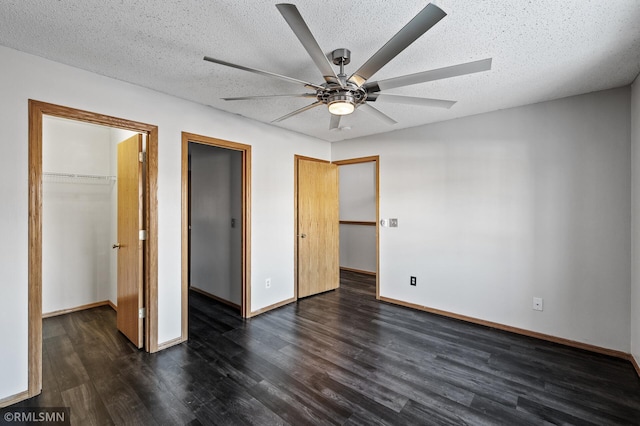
x: 142, y: 156
x: 142, y: 313
x: 143, y: 235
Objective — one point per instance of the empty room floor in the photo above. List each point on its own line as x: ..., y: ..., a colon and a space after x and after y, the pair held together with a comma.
x: 337, y: 358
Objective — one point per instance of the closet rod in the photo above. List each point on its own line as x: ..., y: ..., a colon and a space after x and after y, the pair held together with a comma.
x: 77, y: 176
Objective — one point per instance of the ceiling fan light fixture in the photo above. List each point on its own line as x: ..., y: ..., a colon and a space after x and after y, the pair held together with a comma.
x: 342, y: 103
x: 341, y: 108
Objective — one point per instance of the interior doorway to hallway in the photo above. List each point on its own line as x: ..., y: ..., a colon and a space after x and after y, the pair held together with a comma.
x: 215, y: 223
x: 216, y: 176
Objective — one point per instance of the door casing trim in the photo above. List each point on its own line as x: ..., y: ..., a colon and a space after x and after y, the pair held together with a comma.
x: 37, y: 110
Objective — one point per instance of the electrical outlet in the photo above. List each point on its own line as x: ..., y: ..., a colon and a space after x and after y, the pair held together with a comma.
x: 413, y: 281
x: 537, y: 303
x: 267, y: 283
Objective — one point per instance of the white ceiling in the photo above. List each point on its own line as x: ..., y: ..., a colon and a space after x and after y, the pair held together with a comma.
x: 541, y: 50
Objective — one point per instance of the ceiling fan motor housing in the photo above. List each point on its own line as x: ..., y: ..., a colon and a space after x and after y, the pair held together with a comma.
x: 335, y: 93
x: 350, y: 94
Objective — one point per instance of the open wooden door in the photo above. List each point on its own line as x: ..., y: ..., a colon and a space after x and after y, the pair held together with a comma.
x: 317, y: 227
x: 130, y: 245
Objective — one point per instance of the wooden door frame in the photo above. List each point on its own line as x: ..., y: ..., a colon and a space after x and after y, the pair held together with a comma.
x: 245, y: 307
x: 376, y: 159
x: 37, y: 110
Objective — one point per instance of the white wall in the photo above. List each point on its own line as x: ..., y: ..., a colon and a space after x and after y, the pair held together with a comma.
x: 24, y: 77
x: 358, y: 204
x: 358, y: 191
x: 216, y: 249
x: 497, y: 208
x: 358, y: 247
x: 76, y: 218
x: 635, y: 199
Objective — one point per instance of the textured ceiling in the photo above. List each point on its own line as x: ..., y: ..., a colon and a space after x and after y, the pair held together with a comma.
x: 541, y: 50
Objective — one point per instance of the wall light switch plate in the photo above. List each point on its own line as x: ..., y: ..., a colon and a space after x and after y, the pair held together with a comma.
x: 393, y: 223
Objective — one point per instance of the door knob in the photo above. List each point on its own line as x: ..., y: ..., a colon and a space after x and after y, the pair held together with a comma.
x: 117, y: 245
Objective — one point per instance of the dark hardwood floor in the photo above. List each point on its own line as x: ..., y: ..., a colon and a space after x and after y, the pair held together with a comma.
x: 337, y: 358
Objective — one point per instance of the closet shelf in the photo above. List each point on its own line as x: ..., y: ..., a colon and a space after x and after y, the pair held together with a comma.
x: 77, y: 178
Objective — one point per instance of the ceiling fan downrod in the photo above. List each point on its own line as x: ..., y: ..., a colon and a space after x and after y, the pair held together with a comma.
x: 343, y: 98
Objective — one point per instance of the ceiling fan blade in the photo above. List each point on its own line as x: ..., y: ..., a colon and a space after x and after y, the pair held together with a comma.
x: 293, y: 95
x: 431, y: 75
x: 334, y: 124
x: 377, y: 113
x: 291, y: 14
x: 265, y: 73
x: 421, y: 23
x: 298, y: 111
x: 410, y: 100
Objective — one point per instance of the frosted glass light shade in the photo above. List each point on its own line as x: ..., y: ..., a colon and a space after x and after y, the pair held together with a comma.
x: 341, y: 108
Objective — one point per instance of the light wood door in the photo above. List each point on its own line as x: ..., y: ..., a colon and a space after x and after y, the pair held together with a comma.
x: 318, y: 227
x: 130, y: 250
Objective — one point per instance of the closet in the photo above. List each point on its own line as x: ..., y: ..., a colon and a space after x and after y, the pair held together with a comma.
x: 79, y: 214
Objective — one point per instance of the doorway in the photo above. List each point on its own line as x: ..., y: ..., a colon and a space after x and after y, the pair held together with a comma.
x: 320, y: 263
x: 216, y: 176
x: 359, y: 216
x: 38, y: 110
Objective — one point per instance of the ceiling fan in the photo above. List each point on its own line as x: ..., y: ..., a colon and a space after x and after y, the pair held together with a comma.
x: 344, y: 94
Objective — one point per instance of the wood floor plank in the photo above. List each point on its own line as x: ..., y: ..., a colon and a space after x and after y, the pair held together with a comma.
x: 492, y: 408
x: 235, y: 400
x: 53, y: 327
x: 292, y: 410
x: 157, y: 396
x: 192, y: 383
x: 362, y: 406
x: 441, y: 411
x: 122, y: 402
x: 88, y: 408
x: 553, y: 415
x: 365, y: 385
x: 67, y: 368
x: 292, y: 382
